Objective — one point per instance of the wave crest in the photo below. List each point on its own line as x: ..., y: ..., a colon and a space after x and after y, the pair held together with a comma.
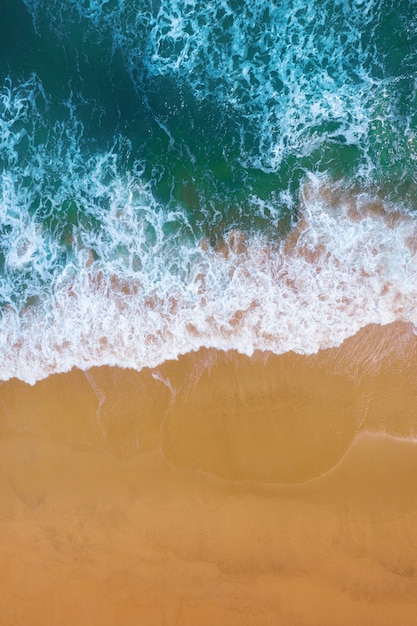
x: 350, y: 261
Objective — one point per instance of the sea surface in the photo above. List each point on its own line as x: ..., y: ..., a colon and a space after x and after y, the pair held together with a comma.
x: 177, y: 174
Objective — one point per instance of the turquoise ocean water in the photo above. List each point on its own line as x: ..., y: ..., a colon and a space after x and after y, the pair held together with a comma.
x: 238, y: 174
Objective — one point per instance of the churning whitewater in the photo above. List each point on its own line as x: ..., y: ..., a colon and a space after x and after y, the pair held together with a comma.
x: 178, y: 174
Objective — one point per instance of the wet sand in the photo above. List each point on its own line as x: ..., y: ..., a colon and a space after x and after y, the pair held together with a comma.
x: 215, y: 490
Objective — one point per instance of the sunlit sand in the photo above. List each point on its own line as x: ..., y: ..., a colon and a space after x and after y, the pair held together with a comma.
x: 216, y: 490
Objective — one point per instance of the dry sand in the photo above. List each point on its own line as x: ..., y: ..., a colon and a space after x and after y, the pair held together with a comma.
x: 216, y: 490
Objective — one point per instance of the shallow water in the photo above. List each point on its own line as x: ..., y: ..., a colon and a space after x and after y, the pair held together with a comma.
x: 208, y: 278
x: 140, y: 141
x: 215, y: 489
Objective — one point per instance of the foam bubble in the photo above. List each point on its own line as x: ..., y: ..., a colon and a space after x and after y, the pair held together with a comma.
x: 299, y: 76
x: 95, y: 269
x: 350, y: 261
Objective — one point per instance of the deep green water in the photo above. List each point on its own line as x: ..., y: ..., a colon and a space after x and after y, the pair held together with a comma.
x: 131, y: 131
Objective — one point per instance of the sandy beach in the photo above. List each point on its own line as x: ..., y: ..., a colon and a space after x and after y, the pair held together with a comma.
x: 215, y: 490
x: 208, y: 320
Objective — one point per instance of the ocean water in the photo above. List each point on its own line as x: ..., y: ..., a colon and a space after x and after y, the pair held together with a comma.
x: 237, y: 174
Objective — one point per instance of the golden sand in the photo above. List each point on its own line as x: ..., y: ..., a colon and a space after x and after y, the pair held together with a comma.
x: 215, y: 490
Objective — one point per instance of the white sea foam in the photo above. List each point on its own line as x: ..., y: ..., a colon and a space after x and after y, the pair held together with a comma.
x: 281, y: 66
x: 298, y: 73
x: 122, y: 282
x: 350, y: 262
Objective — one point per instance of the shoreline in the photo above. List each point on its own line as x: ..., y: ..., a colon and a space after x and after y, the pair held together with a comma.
x: 216, y: 489
x: 348, y: 263
x: 265, y: 403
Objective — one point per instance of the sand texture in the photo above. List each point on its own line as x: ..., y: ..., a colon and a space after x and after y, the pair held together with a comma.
x: 215, y: 490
